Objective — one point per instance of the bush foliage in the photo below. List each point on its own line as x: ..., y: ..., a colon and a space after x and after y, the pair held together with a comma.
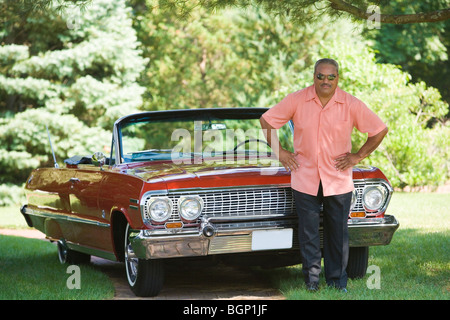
x: 78, y: 71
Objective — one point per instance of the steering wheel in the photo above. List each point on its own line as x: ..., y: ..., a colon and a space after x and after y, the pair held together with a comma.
x: 249, y: 140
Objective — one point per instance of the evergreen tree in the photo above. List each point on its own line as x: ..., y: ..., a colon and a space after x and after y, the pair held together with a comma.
x: 74, y: 72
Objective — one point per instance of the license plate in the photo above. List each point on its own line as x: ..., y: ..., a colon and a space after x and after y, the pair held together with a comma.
x: 272, y: 239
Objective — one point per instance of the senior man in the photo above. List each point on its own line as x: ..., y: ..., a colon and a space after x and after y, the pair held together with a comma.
x: 321, y: 166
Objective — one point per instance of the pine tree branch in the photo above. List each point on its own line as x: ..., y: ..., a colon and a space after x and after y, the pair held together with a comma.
x: 434, y: 16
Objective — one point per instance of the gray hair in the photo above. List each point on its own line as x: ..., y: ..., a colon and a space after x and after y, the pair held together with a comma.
x: 327, y: 61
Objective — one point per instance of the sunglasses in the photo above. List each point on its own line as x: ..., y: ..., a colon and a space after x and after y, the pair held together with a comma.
x: 330, y: 77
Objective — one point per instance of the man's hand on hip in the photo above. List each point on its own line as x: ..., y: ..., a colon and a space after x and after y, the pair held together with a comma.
x: 348, y: 160
x: 288, y: 160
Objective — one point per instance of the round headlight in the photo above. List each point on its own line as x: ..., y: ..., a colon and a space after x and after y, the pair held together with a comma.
x: 190, y: 207
x: 374, y: 197
x: 159, y: 208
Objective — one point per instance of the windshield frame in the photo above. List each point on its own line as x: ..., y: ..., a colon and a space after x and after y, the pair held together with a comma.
x: 212, y: 114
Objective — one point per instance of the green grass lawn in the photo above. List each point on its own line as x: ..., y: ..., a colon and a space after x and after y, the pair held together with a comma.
x: 30, y: 269
x: 11, y: 218
x: 416, y: 265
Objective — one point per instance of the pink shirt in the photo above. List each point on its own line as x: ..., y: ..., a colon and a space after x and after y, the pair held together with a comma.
x: 321, y: 135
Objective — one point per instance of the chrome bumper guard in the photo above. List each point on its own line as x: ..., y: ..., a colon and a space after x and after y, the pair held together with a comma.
x: 235, y: 235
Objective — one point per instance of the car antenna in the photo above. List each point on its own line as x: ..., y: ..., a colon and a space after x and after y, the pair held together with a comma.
x: 51, y: 146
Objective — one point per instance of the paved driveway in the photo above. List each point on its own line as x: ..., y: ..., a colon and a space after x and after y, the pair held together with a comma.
x: 192, y: 283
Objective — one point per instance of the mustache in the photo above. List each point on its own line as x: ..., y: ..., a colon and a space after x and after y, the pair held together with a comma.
x: 325, y: 85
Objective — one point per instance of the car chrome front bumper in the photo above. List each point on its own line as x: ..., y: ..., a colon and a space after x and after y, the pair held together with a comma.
x: 217, y: 236
x: 378, y: 232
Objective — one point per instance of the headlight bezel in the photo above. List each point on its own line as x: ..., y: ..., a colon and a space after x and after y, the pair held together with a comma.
x: 375, y: 198
x: 150, y: 210
x: 186, y: 204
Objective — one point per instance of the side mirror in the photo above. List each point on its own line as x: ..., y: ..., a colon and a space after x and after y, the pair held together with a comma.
x: 98, y: 159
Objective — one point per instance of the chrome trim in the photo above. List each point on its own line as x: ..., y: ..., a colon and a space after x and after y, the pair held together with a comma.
x: 221, y: 230
x: 210, y: 208
x: 115, y: 143
x: 237, y: 238
x: 242, y: 218
x: 193, y: 114
x: 215, y: 189
x: 184, y: 198
x: 231, y: 244
x: 360, y: 185
x: 168, y: 246
x: 390, y: 190
x: 244, y: 202
x: 92, y: 251
x: 58, y: 216
x: 379, y: 233
x: 143, y: 201
x: 236, y: 204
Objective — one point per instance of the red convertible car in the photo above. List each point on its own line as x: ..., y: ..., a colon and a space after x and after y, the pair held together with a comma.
x: 189, y: 184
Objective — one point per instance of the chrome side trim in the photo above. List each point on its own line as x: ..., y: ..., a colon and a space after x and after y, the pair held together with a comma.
x: 58, y: 216
x: 92, y: 251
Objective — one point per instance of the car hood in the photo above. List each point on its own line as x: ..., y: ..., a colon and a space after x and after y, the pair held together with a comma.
x: 204, y: 175
x: 172, y: 173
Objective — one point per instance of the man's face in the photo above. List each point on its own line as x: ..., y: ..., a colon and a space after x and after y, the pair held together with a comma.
x: 325, y: 87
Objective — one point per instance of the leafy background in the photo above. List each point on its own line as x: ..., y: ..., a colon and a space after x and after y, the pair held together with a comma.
x: 77, y: 71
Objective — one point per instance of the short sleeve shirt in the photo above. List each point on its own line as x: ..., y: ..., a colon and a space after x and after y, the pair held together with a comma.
x: 321, y: 135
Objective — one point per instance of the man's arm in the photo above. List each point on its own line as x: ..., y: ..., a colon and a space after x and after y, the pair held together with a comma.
x: 352, y: 159
x: 286, y: 158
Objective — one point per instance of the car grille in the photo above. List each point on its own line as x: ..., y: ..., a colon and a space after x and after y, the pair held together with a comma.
x: 242, y: 202
x: 256, y: 201
x: 359, y: 207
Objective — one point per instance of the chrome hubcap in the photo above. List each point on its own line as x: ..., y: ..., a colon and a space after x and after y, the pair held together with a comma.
x: 62, y: 252
x: 131, y: 261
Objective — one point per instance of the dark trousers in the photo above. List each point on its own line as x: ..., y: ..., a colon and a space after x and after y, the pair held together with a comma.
x: 335, y: 236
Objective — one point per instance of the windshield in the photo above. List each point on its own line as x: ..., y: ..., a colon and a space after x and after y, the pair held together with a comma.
x: 210, y: 140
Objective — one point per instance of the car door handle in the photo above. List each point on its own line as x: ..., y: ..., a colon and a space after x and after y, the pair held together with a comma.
x: 74, y: 180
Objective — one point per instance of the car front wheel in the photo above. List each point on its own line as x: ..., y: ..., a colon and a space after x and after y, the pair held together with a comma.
x: 145, y: 277
x: 358, y: 260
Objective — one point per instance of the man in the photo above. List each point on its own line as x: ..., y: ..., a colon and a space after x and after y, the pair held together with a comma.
x: 321, y: 166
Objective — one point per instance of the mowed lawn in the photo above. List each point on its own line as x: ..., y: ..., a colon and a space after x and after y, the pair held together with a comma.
x: 416, y: 265
x: 30, y: 269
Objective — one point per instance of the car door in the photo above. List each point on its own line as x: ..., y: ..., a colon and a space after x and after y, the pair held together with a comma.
x: 90, y: 227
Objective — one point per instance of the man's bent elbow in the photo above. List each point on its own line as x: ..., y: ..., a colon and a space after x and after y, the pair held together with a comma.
x: 264, y: 123
x: 385, y: 131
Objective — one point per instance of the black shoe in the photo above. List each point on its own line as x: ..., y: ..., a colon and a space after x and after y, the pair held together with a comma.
x: 312, y: 286
x: 341, y: 289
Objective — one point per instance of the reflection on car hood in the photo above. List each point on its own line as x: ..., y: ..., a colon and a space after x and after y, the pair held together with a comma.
x: 185, y: 175
x: 167, y: 171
